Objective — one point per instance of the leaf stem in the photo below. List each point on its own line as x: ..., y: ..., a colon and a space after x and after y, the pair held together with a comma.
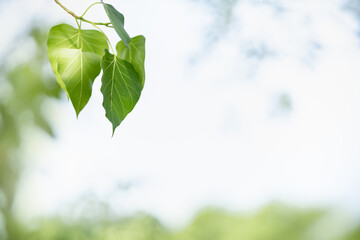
x: 89, y: 8
x: 81, y: 17
x: 106, y: 38
x: 77, y: 22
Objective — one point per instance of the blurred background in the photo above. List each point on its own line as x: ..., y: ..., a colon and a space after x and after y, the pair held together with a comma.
x: 248, y: 126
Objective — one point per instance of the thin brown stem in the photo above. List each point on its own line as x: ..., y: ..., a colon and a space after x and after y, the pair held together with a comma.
x: 81, y: 18
x: 67, y: 10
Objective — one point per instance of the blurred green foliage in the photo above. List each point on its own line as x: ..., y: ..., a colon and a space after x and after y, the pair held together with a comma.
x: 25, y: 85
x: 274, y: 222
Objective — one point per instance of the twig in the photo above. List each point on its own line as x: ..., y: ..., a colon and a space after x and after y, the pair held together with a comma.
x: 81, y: 18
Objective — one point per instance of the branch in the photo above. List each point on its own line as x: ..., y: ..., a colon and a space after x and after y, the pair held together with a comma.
x: 67, y: 10
x: 81, y: 18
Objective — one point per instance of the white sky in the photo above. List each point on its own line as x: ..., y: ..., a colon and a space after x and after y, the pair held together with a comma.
x: 208, y: 132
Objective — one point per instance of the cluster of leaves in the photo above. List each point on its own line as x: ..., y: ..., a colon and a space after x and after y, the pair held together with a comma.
x: 77, y: 57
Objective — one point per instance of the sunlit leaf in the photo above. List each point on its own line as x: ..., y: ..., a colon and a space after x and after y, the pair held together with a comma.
x: 75, y: 57
x: 135, y: 54
x: 117, y: 20
x: 121, y: 88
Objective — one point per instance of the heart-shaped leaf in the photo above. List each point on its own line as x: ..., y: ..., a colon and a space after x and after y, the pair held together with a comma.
x: 117, y: 20
x: 75, y: 57
x: 121, y: 88
x: 135, y: 54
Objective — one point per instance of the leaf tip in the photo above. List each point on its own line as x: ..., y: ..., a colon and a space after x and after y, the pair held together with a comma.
x: 113, y: 131
x: 77, y: 112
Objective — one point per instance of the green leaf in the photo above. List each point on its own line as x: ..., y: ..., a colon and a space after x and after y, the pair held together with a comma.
x: 117, y: 20
x: 75, y: 57
x: 121, y: 88
x: 134, y: 54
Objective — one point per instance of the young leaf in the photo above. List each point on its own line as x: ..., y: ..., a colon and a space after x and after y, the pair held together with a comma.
x: 75, y: 57
x: 117, y: 20
x: 121, y: 88
x: 135, y: 54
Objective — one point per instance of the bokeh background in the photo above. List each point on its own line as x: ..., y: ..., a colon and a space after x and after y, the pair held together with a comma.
x: 248, y: 126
